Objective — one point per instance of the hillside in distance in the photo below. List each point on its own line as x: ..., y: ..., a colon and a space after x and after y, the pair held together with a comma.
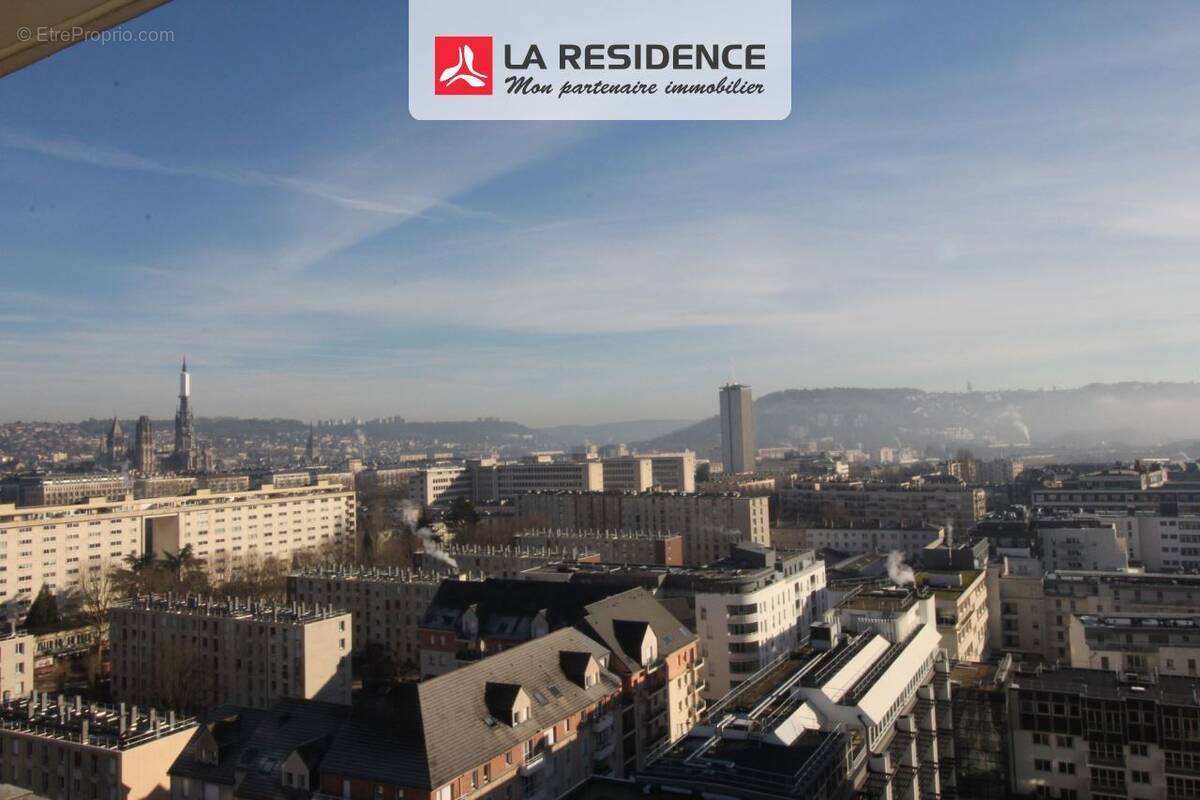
x: 1135, y: 413
x: 566, y: 436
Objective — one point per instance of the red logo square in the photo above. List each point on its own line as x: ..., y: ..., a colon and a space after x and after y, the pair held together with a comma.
x: 462, y: 65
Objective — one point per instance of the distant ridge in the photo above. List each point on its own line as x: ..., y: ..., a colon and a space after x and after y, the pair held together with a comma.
x: 1139, y: 413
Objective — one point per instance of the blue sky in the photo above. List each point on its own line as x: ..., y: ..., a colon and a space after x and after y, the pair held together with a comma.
x: 1000, y: 193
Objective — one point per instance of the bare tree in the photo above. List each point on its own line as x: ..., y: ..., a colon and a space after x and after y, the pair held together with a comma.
x: 94, y: 594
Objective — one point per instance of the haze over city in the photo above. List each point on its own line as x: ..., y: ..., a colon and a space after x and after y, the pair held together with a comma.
x: 961, y: 194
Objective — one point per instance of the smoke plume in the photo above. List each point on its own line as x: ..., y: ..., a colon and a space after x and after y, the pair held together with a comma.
x: 900, y: 573
x: 431, y: 548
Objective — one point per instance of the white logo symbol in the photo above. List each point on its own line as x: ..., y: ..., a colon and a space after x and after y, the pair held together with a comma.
x: 466, y: 58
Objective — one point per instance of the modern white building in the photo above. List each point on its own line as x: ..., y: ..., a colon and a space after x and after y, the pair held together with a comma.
x: 440, y: 486
x: 752, y: 609
x: 870, y: 692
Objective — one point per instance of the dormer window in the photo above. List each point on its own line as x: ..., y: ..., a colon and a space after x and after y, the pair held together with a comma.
x: 507, y: 702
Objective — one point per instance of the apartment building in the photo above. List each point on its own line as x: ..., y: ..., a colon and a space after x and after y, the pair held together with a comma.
x: 747, y: 609
x: 1104, y: 735
x: 960, y: 601
x: 72, y: 750
x: 662, y: 674
x: 539, y: 718
x: 875, y: 538
x: 17, y: 651
x: 495, y: 561
x: 1075, y: 543
x: 1163, y: 643
x: 535, y: 473
x: 656, y: 657
x: 67, y: 489
x: 612, y: 546
x: 709, y: 524
x: 1118, y: 491
x: 469, y: 621
x: 386, y: 605
x: 668, y: 472
x: 1156, y: 542
x: 393, y: 480
x: 242, y: 753
x: 1030, y: 611
x: 951, y: 505
x: 200, y: 654
x: 172, y: 485
x: 533, y: 722
x: 52, y: 545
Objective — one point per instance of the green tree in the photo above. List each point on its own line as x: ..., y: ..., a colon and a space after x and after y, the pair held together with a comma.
x: 43, y: 614
x: 462, y: 512
x: 183, y: 561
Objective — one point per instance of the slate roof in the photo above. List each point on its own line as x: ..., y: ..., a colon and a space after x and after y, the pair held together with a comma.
x: 619, y: 622
x: 444, y: 727
x: 232, y: 729
x: 254, y: 744
x: 506, y: 608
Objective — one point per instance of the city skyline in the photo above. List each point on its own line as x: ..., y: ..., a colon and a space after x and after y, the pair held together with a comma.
x: 944, y: 170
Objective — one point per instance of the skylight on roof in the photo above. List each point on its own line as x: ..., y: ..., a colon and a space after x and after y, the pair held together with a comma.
x: 541, y: 698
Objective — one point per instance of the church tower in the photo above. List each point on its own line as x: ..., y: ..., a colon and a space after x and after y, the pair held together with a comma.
x: 310, y: 450
x: 143, y: 447
x: 114, y: 445
x: 185, y: 427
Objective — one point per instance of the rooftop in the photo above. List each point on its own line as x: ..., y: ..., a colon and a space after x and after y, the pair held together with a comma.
x: 590, y: 533
x: 253, y: 610
x: 1148, y: 621
x: 369, y: 574
x: 751, y: 764
x: 883, y: 598
x: 1167, y: 689
x: 72, y: 720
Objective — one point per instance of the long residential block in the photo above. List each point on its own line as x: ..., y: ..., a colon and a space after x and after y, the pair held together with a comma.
x: 710, y: 524
x: 56, y: 545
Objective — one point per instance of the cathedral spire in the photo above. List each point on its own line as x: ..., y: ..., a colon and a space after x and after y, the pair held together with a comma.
x: 310, y: 451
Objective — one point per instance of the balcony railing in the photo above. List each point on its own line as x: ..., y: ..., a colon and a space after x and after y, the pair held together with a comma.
x: 533, y: 762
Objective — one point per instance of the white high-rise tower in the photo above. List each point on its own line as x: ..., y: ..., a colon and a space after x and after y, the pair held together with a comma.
x: 737, y: 429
